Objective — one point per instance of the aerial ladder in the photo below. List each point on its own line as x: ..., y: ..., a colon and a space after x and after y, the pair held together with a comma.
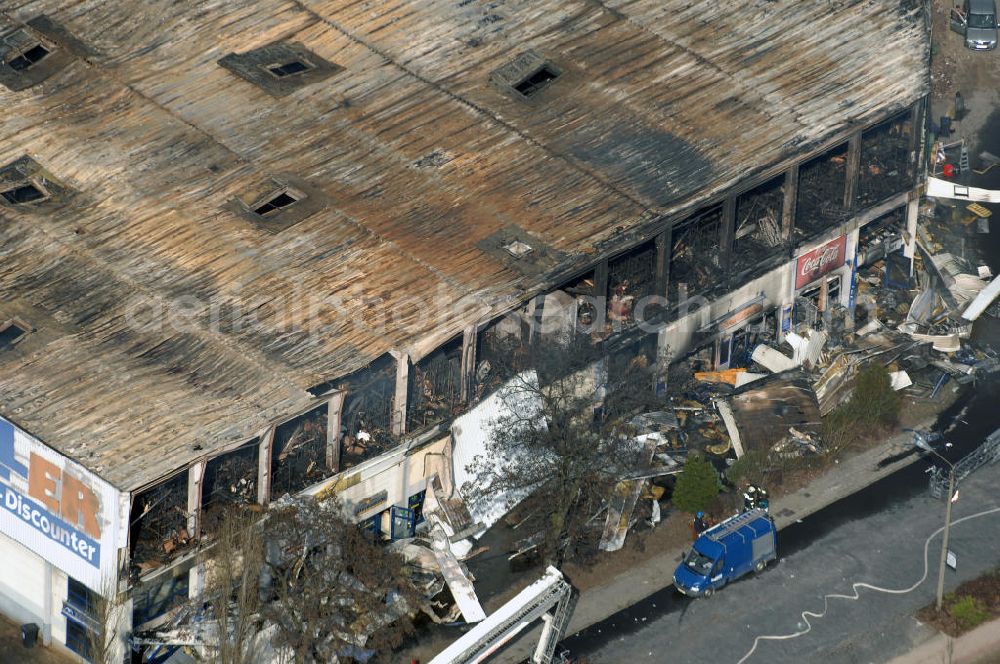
x: 550, y: 599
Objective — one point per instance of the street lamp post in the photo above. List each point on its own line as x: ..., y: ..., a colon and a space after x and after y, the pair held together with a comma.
x: 922, y: 443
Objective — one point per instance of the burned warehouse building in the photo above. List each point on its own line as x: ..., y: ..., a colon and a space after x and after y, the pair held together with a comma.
x: 264, y: 248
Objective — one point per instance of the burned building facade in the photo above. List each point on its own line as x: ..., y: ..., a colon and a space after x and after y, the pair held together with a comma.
x: 269, y: 247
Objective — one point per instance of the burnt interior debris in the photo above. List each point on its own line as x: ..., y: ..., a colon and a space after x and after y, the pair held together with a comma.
x: 757, y: 240
x: 737, y: 350
x: 158, y: 529
x: 581, y: 288
x: 365, y: 421
x: 501, y: 353
x: 885, y: 160
x: 882, y: 236
x: 820, y: 204
x: 695, y: 258
x: 435, y: 387
x: 631, y: 279
x: 298, y: 453
x: 230, y: 480
x: 629, y: 365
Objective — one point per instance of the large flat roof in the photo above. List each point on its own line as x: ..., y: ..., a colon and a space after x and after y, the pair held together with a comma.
x: 169, y: 324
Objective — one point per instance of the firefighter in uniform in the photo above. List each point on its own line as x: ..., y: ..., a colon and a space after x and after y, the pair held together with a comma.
x: 699, y: 525
x: 754, y: 497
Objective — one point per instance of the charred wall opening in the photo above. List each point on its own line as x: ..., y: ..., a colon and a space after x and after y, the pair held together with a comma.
x: 882, y: 236
x: 435, y: 387
x: 573, y: 313
x: 737, y: 348
x: 230, y: 480
x: 757, y: 242
x: 501, y: 353
x: 695, y: 259
x: 298, y: 453
x: 822, y: 183
x: 631, y: 278
x: 158, y: 523
x: 366, y: 418
x: 885, y: 160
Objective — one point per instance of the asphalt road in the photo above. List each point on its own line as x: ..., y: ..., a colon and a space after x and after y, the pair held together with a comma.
x: 883, y: 546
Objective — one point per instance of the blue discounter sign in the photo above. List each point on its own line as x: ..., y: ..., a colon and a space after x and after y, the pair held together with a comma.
x: 57, y: 508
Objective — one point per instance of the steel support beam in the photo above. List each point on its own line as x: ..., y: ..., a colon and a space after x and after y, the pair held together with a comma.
x: 788, y: 205
x: 398, y: 417
x: 264, y: 466
x: 334, y: 409
x: 853, y: 170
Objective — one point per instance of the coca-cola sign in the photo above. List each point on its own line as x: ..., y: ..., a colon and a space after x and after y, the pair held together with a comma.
x: 819, y: 261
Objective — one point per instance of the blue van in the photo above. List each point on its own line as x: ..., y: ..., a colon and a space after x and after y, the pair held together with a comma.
x: 739, y: 545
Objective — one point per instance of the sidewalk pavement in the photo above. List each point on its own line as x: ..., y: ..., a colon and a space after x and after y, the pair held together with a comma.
x: 847, y: 477
x: 980, y: 646
x: 12, y: 652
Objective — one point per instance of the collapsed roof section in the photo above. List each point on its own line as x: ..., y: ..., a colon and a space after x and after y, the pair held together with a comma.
x: 418, y: 130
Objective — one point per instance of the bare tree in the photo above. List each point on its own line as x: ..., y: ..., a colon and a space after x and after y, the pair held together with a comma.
x: 308, y: 579
x: 233, y: 584
x: 105, y: 637
x: 563, y: 438
x: 336, y: 595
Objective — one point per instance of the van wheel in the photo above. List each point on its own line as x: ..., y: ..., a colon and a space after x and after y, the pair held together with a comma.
x: 708, y: 592
x: 759, y: 567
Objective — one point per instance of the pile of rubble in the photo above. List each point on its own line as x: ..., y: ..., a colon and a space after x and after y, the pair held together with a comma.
x: 916, y: 326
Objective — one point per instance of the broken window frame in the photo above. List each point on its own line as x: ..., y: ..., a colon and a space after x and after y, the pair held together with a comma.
x: 816, y: 213
x: 590, y: 321
x: 242, y: 491
x: 762, y: 328
x: 275, y: 67
x: 518, y: 249
x: 499, y: 357
x: 162, y: 510
x: 631, y: 278
x: 441, y: 372
x: 296, y: 468
x: 27, y: 182
x: 881, y: 236
x: 705, y: 248
x: 296, y: 196
x: 22, y: 54
x: 874, y: 188
x: 751, y: 254
x: 372, y: 387
x: 21, y: 46
x: 526, y: 86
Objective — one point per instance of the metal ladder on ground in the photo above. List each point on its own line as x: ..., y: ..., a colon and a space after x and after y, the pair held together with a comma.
x: 963, y: 158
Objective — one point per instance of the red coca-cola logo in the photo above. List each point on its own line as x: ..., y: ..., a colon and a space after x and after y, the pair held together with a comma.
x: 819, y: 261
